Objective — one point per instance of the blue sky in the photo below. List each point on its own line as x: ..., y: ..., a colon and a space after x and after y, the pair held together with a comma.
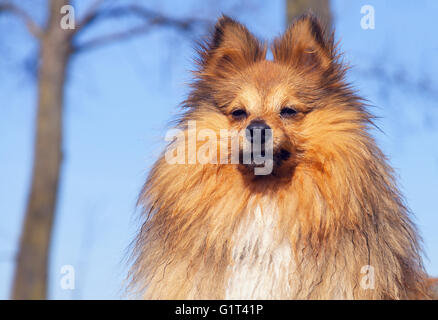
x: 120, y: 98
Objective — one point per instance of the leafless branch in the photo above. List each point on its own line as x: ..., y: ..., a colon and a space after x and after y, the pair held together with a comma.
x: 33, y: 28
x: 151, y: 19
x: 143, y: 13
x: 401, y: 80
x: 91, y: 13
x: 109, y: 38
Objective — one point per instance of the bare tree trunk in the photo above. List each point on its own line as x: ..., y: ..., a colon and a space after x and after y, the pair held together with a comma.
x: 30, y: 280
x: 56, y: 49
x: 321, y: 8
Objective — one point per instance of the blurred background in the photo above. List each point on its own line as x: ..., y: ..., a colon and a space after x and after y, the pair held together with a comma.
x: 83, y: 112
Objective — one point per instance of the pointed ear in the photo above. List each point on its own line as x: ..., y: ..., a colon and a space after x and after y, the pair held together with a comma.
x: 305, y: 45
x: 230, y: 47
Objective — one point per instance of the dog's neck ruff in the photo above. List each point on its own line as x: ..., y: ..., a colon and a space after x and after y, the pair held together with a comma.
x: 262, y: 260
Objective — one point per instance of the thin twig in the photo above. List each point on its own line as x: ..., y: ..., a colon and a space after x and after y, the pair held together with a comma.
x: 33, y: 28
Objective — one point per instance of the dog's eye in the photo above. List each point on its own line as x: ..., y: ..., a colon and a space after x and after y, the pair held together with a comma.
x: 288, y: 112
x: 239, y: 114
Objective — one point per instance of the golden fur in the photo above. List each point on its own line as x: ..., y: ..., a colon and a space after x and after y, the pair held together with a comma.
x: 336, y: 202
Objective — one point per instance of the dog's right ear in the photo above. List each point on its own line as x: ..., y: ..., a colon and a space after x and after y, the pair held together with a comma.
x: 305, y: 44
x: 230, y: 47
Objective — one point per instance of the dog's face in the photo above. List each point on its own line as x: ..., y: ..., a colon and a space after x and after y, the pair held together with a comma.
x: 295, y: 103
x: 265, y: 104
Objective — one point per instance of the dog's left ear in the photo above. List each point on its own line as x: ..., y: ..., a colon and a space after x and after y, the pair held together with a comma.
x: 231, y: 47
x: 305, y: 45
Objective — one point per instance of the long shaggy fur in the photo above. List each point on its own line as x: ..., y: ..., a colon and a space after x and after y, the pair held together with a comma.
x: 306, y: 231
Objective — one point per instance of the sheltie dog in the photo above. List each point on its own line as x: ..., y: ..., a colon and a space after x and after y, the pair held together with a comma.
x: 325, y: 220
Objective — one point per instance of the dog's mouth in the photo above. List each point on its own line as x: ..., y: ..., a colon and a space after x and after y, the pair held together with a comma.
x: 275, y: 158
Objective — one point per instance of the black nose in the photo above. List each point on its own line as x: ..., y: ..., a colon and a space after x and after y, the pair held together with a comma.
x: 258, y: 126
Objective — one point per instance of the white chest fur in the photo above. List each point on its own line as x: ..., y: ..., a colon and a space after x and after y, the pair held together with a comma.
x: 262, y: 260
